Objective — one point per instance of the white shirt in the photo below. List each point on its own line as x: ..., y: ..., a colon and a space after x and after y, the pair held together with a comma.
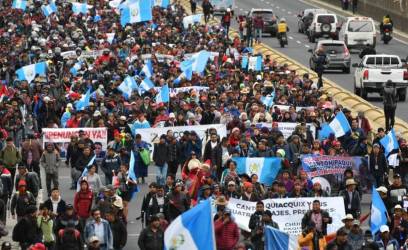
x: 100, y: 232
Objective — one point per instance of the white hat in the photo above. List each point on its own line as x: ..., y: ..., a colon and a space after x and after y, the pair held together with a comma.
x: 47, y: 99
x: 384, y: 228
x: 97, y: 113
x: 93, y: 239
x: 69, y: 105
x: 258, y: 77
x: 228, y: 9
x: 398, y: 206
x: 382, y: 189
x: 231, y: 183
x: 123, y: 118
x: 348, y: 217
x: 172, y: 115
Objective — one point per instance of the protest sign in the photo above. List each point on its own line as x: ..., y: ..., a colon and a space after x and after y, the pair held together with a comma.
x: 62, y: 137
x: 152, y: 135
x: 175, y: 91
x: 287, y: 128
x: 288, y: 213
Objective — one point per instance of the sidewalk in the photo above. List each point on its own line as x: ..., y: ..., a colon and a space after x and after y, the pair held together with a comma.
x: 399, y: 35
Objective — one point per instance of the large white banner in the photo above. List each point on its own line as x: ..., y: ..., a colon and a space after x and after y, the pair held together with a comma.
x: 288, y: 213
x: 62, y: 136
x: 152, y: 135
x: 287, y: 128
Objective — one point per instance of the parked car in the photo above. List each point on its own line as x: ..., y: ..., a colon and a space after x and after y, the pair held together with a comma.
x: 375, y: 70
x: 306, y: 18
x: 360, y: 32
x: 269, y: 18
x: 324, y: 25
x: 338, y: 56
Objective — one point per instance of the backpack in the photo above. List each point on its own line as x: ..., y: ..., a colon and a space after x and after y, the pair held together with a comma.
x: 69, y: 236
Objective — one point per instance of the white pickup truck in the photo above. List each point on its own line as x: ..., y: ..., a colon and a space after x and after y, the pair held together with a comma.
x: 374, y: 70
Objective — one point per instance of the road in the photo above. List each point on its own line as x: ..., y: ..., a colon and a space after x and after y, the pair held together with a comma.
x: 299, y: 44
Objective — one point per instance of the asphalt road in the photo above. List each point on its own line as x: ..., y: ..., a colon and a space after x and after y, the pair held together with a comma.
x: 299, y: 44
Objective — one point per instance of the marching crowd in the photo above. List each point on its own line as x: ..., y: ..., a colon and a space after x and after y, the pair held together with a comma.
x: 233, y: 95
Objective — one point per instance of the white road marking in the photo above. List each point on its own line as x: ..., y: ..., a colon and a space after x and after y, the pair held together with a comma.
x: 277, y: 7
x: 267, y: 2
x: 290, y: 37
x: 298, y: 42
x: 290, y: 12
x: 307, y: 46
x: 133, y: 235
x: 283, y: 10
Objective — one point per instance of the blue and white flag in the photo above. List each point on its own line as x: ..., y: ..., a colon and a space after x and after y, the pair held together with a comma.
x: 85, y: 172
x: 79, y: 8
x: 77, y: 66
x: 161, y: 3
x: 29, y: 72
x: 145, y: 85
x: 97, y: 18
x: 163, y: 95
x: 267, y: 168
x: 192, y: 230
x: 255, y: 63
x: 131, y: 172
x: 191, y: 20
x: 110, y: 37
x: 339, y: 127
x: 186, y: 67
x: 244, y: 62
x: 184, y: 75
x: 139, y: 11
x: 389, y: 142
x: 82, y: 103
x: 268, y: 100
x: 200, y: 60
x: 378, y: 212
x: 127, y: 86
x: 147, y: 68
x: 49, y: 9
x: 19, y: 4
x: 278, y: 240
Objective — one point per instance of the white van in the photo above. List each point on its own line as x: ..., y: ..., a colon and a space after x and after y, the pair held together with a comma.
x: 360, y: 32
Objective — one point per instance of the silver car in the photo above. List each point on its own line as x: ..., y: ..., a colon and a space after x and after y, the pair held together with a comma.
x: 338, y: 56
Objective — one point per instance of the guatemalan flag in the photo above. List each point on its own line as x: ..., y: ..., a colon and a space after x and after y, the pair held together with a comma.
x: 49, y: 9
x: 186, y: 67
x: 85, y: 172
x: 244, y: 62
x: 19, y: 4
x: 82, y: 103
x: 139, y: 11
x: 192, y: 230
x: 268, y: 100
x: 127, y: 86
x: 164, y: 94
x: 389, y: 142
x: 378, y: 212
x: 184, y: 75
x: 161, y: 3
x: 79, y: 8
x: 77, y: 66
x: 267, y: 168
x: 255, y: 63
x: 339, y: 127
x: 278, y: 240
x: 29, y: 72
x: 145, y: 85
x: 200, y: 60
x: 147, y: 68
x: 191, y: 20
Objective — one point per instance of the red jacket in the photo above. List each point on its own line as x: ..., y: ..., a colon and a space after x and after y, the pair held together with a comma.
x: 226, y: 235
x: 83, y: 203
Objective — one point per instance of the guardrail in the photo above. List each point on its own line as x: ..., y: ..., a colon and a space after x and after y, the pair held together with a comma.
x: 341, y: 95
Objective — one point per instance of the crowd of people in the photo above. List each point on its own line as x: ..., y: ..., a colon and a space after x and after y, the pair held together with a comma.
x: 232, y: 95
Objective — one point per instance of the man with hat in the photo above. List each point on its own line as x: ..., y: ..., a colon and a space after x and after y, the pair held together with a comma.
x: 10, y: 156
x: 352, y: 200
x: 399, y: 225
x: 383, y: 191
x: 152, y: 237
x: 340, y: 242
x: 355, y: 236
x: 226, y: 231
x: 369, y: 243
x: 397, y: 191
x: 177, y: 202
x: 26, y: 231
x: 348, y: 222
x: 231, y: 190
x: 386, y: 241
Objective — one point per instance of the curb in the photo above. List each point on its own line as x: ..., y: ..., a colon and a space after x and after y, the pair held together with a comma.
x: 342, y: 96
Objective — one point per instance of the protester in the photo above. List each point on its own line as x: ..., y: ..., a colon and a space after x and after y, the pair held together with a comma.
x: 152, y: 237
x: 226, y: 231
x: 320, y: 217
x: 100, y: 228
x: 26, y: 231
x: 50, y: 161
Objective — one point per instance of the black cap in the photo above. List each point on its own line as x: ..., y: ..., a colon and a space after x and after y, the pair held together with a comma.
x: 31, y: 209
x: 341, y: 231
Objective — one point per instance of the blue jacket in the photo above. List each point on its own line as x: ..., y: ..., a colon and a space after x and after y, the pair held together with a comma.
x: 90, y: 231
